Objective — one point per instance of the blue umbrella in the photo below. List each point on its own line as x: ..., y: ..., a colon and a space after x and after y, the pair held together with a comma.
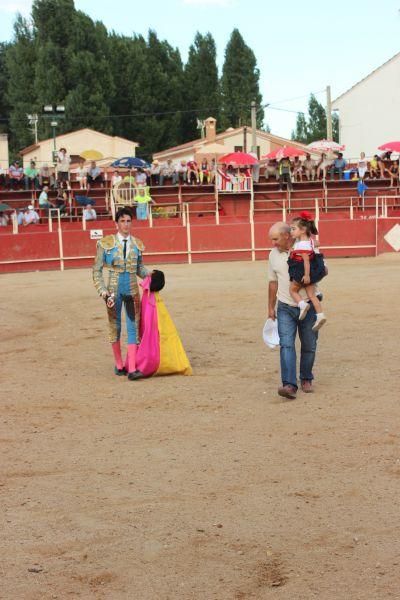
x: 130, y: 162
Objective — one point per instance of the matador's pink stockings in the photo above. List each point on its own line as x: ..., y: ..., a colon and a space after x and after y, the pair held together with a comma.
x: 130, y: 361
x: 116, y: 348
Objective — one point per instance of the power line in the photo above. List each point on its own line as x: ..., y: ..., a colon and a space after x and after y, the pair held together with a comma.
x: 169, y: 112
x: 131, y: 115
x: 297, y: 97
x: 296, y: 112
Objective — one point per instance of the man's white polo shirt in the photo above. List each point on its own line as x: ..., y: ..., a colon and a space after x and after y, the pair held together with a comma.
x: 278, y: 270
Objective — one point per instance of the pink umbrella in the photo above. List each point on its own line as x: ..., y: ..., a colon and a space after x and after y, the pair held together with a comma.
x: 238, y: 159
x: 285, y: 152
x: 390, y: 146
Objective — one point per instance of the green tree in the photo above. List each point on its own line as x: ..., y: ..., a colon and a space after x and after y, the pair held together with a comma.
x: 4, y: 104
x: 300, y: 134
x: 127, y: 57
x: 20, y: 63
x: 240, y: 84
x: 335, y: 127
x: 89, y: 78
x: 313, y: 127
x: 72, y: 66
x: 316, y: 120
x: 158, y: 98
x: 202, y: 92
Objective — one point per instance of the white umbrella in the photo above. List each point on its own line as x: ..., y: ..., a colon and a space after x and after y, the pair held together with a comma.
x: 326, y: 146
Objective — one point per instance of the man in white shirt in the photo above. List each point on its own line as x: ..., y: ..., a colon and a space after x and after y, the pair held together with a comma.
x: 282, y: 306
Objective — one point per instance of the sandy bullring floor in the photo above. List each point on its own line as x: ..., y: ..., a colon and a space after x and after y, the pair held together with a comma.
x: 209, y: 487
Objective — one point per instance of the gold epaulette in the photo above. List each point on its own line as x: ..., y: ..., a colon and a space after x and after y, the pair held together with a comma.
x: 138, y: 243
x: 107, y: 242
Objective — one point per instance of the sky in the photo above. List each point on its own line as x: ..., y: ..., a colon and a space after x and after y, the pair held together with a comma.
x: 301, y: 46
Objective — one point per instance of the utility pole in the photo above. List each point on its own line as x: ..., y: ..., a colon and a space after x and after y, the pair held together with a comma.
x: 54, y: 112
x: 254, y: 127
x: 328, y: 114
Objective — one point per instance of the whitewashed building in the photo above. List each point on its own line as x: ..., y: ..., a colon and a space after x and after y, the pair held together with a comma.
x: 106, y: 148
x: 3, y: 152
x: 369, y: 112
x: 235, y: 140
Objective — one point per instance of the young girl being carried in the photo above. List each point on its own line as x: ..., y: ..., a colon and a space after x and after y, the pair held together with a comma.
x: 306, y: 267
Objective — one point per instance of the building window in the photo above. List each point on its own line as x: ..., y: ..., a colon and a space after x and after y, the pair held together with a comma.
x: 238, y: 149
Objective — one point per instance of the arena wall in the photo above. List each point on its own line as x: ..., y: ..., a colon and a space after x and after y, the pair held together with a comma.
x: 39, y: 249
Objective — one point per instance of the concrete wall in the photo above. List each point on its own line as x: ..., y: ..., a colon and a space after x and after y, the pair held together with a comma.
x: 79, y: 141
x: 369, y: 114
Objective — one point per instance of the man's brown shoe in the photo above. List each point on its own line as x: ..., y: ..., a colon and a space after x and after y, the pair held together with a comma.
x: 307, y: 387
x: 288, y: 391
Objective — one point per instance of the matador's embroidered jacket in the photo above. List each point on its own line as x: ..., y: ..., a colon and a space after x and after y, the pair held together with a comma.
x: 109, y: 256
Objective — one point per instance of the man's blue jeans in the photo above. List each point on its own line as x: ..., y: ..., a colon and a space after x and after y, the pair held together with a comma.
x: 288, y: 325
x: 337, y: 170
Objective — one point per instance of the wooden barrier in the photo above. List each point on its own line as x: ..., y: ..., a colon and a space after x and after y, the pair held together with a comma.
x: 200, y: 239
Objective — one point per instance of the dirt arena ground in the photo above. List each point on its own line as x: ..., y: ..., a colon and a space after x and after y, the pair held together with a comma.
x: 205, y: 487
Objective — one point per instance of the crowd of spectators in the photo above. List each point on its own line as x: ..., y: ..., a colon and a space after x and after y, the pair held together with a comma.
x: 286, y: 171
x: 184, y: 172
x: 89, y: 175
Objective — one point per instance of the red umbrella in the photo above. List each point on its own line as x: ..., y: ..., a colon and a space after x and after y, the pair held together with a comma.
x: 284, y: 152
x: 270, y: 155
x: 390, y: 146
x: 238, y: 159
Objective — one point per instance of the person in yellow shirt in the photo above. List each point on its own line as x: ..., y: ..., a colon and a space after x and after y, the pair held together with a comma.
x: 143, y: 199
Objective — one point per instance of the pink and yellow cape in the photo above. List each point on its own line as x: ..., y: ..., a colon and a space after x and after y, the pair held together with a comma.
x: 160, y: 351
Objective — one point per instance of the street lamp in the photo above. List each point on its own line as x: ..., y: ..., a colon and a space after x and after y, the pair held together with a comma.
x: 54, y: 112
